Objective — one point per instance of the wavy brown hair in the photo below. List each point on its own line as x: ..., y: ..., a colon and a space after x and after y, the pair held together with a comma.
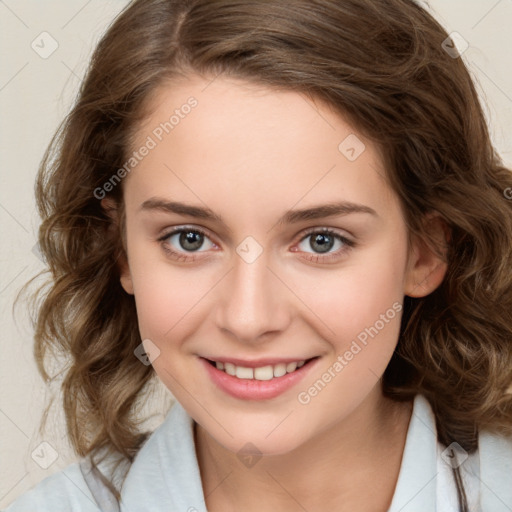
x: 379, y: 63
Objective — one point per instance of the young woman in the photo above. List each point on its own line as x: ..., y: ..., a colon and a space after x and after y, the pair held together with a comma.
x: 292, y: 214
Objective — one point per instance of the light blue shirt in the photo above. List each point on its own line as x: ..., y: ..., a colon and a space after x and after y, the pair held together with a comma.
x: 165, y: 477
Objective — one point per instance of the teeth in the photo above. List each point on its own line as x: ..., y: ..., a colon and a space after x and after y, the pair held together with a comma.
x: 261, y: 373
x: 244, y: 373
x: 264, y: 373
x: 279, y: 370
x: 290, y: 367
x: 230, y: 369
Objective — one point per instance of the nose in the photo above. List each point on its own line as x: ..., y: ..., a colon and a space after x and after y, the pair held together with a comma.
x: 255, y: 302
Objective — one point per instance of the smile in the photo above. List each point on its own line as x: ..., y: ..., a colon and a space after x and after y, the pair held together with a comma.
x: 258, y: 382
x: 261, y: 373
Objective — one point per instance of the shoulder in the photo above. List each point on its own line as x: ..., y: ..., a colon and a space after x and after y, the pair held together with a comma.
x: 495, y: 471
x: 64, y: 491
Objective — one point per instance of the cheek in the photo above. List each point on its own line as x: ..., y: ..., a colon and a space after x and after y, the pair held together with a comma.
x: 362, y: 308
x: 354, y: 296
x: 168, y: 297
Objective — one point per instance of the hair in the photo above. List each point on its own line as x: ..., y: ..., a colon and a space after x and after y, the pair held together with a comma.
x: 380, y: 64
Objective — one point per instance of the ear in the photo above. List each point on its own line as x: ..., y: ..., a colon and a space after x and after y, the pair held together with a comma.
x: 426, y: 269
x: 111, y: 209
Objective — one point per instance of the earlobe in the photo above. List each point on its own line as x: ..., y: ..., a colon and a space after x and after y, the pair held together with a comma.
x: 126, y: 282
x: 425, y: 280
x: 111, y: 210
x: 125, y: 275
x: 427, y: 269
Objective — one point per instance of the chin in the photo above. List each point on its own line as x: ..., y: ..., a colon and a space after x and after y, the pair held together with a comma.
x: 260, y: 443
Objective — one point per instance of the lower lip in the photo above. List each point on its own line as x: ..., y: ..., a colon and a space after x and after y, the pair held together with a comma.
x: 252, y: 389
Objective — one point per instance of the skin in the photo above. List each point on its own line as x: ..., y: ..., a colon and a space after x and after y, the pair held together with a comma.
x: 250, y: 154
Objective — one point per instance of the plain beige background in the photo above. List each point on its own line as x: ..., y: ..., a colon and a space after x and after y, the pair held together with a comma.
x: 39, y: 77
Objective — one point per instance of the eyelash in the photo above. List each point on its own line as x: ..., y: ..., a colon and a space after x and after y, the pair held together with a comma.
x: 348, y: 244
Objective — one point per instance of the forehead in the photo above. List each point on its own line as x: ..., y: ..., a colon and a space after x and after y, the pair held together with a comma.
x: 231, y: 143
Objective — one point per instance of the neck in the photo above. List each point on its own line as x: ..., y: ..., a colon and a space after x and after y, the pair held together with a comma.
x: 352, y: 464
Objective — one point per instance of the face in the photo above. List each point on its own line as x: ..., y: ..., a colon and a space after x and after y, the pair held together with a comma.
x: 239, y: 273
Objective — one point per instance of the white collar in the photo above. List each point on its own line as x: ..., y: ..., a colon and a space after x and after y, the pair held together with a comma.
x: 157, y: 481
x: 416, y: 485
x: 165, y: 473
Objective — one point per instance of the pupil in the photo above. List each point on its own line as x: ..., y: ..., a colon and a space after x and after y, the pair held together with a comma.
x: 325, y: 242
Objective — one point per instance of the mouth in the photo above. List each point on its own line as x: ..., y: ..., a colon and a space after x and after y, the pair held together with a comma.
x: 261, y: 382
x: 261, y: 373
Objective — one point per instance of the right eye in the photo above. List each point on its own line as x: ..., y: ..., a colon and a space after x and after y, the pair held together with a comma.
x: 184, y: 240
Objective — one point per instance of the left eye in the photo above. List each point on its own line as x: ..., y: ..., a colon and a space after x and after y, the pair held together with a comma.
x: 323, y: 240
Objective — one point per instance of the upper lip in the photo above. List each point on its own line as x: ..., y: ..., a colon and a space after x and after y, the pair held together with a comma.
x: 256, y: 363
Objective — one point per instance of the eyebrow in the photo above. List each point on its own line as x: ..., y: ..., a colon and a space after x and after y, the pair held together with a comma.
x: 290, y: 217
